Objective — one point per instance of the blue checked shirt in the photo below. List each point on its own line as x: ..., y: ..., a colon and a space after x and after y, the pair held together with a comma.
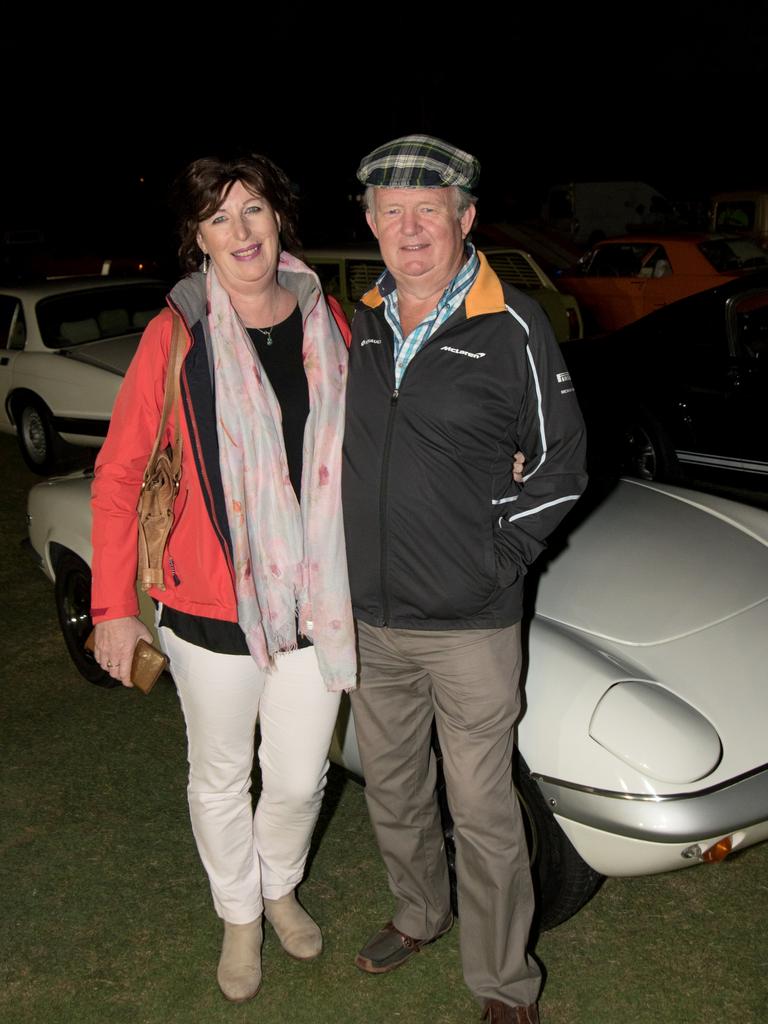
x: 451, y: 299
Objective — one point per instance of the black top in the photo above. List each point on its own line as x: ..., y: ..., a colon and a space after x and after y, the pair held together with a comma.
x: 284, y: 365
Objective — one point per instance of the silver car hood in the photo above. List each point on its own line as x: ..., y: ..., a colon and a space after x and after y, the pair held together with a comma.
x: 113, y: 354
x: 707, y: 560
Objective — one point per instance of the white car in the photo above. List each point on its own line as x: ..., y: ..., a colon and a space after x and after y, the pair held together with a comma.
x: 64, y: 348
x: 642, y: 745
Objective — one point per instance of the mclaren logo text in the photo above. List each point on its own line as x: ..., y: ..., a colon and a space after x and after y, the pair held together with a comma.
x: 461, y: 352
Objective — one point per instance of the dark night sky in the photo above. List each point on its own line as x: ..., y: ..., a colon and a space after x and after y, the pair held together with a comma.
x: 674, y: 95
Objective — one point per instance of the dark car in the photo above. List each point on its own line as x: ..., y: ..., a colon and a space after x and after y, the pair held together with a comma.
x: 685, y: 389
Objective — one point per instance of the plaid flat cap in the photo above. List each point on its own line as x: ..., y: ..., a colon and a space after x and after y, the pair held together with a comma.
x: 419, y: 161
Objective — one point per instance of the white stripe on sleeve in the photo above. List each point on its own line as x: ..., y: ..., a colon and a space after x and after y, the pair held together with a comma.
x: 540, y: 508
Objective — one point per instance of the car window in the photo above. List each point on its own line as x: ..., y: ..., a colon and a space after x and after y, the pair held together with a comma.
x: 362, y: 276
x: 750, y: 315
x: 733, y: 254
x: 656, y: 263
x: 79, y: 317
x: 13, y: 329
x: 622, y: 259
x: 735, y: 214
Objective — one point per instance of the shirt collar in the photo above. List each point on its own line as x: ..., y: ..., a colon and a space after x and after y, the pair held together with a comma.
x: 465, y: 276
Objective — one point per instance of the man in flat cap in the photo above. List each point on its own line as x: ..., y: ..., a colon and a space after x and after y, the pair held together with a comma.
x: 450, y: 373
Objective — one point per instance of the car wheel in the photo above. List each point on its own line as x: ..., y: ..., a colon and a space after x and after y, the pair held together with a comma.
x: 647, y: 452
x: 73, y: 605
x: 41, y: 447
x: 562, y: 881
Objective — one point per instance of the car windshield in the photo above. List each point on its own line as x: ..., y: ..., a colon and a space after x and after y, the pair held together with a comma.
x: 76, y: 318
x: 733, y: 254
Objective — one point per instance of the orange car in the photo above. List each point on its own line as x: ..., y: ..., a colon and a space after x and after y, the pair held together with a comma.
x: 622, y: 279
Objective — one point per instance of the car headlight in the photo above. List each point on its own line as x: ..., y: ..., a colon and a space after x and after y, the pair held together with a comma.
x: 655, y: 732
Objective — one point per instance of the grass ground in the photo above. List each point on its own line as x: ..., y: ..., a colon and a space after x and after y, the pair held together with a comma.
x: 106, y: 913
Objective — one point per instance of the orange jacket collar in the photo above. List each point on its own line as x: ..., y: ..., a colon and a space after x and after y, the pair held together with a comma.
x: 485, y: 295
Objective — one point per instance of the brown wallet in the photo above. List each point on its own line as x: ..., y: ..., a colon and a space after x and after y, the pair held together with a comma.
x: 148, y: 663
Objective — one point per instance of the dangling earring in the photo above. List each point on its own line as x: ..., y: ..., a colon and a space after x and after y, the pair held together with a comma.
x: 206, y: 263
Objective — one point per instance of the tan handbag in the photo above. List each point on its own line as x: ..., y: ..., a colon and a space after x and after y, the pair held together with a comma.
x: 162, y: 476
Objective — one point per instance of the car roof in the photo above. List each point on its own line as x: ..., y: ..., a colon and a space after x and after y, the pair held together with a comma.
x: 504, y: 248
x: 34, y: 290
x: 349, y: 253
x: 659, y: 237
x: 371, y: 252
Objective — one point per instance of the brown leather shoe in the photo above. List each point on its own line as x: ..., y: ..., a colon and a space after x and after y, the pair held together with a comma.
x: 389, y: 948
x: 497, y: 1012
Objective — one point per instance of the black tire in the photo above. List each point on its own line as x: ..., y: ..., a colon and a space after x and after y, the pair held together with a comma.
x: 562, y: 881
x: 40, y: 445
x: 646, y: 451
x: 73, y: 604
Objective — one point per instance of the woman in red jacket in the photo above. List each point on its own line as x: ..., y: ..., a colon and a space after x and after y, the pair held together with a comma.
x: 254, y: 613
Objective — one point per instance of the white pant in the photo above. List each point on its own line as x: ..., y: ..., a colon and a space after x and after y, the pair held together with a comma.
x: 221, y: 695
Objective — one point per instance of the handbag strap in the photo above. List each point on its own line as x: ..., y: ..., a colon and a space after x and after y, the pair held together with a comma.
x: 171, y: 399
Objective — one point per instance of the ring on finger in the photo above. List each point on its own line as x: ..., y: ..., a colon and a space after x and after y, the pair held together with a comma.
x: 109, y: 664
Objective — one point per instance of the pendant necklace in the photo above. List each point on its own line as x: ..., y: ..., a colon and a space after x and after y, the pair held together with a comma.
x: 268, y: 332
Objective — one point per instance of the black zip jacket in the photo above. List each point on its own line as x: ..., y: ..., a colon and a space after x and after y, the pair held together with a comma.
x: 438, y: 534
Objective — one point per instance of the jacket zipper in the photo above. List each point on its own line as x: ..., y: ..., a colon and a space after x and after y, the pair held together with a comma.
x: 383, y: 531
x: 172, y: 567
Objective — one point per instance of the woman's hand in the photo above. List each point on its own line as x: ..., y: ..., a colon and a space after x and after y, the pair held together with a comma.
x: 114, y: 642
x: 517, y: 467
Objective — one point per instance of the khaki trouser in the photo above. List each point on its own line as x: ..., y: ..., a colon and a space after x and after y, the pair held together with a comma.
x: 468, y: 681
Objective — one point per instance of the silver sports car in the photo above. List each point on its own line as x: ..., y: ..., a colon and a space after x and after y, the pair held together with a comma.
x: 642, y: 745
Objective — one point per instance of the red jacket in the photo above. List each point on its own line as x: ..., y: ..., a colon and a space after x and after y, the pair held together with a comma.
x: 197, y: 566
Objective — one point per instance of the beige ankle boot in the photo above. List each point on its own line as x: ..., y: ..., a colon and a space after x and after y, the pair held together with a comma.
x: 299, y: 935
x: 239, y: 972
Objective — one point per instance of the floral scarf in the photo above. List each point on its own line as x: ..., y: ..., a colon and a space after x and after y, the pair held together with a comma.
x: 289, y: 559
